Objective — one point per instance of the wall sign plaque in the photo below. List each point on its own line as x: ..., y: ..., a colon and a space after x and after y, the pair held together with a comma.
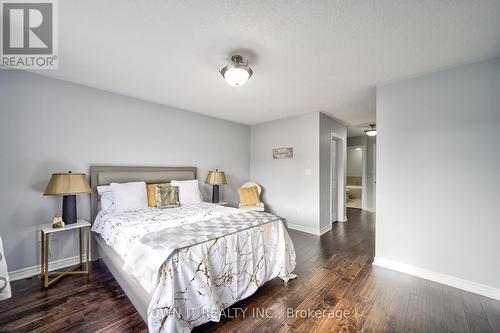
x: 281, y: 153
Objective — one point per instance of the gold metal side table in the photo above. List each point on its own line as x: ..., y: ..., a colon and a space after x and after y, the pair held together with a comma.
x: 45, y: 231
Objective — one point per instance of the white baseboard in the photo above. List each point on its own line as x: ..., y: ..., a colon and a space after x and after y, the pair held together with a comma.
x: 302, y: 228
x: 35, y: 270
x: 449, y: 280
x: 340, y: 219
x: 325, y: 229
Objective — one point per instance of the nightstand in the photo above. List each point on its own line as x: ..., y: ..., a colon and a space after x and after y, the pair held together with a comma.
x: 45, y: 231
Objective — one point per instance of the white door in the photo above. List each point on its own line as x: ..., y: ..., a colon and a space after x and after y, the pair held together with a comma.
x: 333, y: 177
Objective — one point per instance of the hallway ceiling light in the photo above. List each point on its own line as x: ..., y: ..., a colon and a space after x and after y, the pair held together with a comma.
x: 236, y: 74
x: 372, y: 131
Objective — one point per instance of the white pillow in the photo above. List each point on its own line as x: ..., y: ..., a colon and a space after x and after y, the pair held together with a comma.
x: 129, y: 196
x: 189, y: 192
x: 106, y: 196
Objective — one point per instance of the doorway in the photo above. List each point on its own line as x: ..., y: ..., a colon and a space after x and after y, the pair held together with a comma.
x: 356, y: 177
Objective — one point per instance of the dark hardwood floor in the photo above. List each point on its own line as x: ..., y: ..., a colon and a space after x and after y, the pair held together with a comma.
x: 335, y: 276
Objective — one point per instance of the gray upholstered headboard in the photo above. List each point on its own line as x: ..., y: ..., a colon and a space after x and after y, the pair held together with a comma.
x: 105, y: 175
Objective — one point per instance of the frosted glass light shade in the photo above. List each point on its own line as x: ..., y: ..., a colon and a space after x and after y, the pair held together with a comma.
x: 236, y: 76
x: 371, y: 131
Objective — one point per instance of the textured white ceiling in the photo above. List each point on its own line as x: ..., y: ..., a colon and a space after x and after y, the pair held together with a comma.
x: 306, y: 55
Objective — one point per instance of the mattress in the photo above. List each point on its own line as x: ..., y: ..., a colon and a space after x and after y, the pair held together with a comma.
x: 137, y: 295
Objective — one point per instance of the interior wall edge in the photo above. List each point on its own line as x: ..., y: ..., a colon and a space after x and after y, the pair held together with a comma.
x: 452, y: 281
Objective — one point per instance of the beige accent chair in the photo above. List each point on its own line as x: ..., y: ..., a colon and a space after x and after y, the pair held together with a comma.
x: 260, y: 206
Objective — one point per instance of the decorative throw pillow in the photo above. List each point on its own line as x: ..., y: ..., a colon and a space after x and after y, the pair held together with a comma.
x: 249, y: 196
x: 167, y: 197
x: 151, y: 191
x: 106, y: 198
x: 129, y: 196
x: 189, y: 192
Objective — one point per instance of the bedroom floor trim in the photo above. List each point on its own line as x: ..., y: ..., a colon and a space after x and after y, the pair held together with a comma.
x: 449, y: 280
x: 309, y: 230
x: 27, y: 272
x: 334, y: 274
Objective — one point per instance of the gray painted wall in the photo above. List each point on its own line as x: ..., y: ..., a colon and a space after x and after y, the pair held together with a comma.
x: 290, y: 186
x: 354, y: 162
x: 438, y: 166
x: 357, y: 141
x: 48, y: 125
x: 298, y: 189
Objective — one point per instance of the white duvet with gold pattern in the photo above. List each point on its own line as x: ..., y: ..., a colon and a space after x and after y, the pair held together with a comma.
x: 194, y: 283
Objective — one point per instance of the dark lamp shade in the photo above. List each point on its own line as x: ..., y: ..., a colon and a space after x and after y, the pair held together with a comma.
x: 216, y: 178
x: 67, y: 184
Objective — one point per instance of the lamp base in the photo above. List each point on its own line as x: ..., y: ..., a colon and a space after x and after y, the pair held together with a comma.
x: 215, y: 194
x: 69, y: 209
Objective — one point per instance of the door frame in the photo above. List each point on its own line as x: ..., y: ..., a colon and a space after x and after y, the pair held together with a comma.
x: 333, y: 180
x: 341, y: 166
x: 373, y: 177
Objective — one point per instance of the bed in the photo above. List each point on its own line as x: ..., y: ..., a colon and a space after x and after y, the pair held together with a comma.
x: 180, y: 267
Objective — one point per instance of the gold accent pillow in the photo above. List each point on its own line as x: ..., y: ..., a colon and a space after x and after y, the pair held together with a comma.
x: 151, y: 191
x: 249, y: 196
x: 167, y: 197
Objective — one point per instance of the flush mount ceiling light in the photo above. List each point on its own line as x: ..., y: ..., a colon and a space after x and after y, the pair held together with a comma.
x: 238, y: 73
x: 372, y: 131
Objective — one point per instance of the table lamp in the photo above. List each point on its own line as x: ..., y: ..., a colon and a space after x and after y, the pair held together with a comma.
x: 68, y: 185
x: 216, y: 178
